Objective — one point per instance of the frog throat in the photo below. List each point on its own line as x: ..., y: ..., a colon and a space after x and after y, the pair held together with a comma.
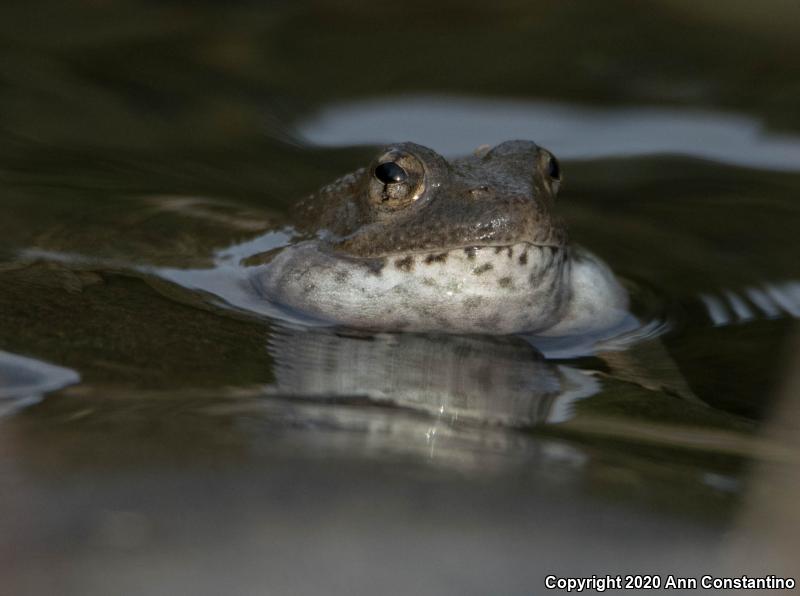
x: 489, y: 289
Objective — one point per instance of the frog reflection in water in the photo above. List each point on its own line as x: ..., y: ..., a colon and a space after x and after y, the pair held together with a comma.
x: 416, y: 242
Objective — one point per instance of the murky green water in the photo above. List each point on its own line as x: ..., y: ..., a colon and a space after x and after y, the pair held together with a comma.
x: 163, y: 431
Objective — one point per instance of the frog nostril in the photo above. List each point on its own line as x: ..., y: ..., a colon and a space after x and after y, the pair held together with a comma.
x: 479, y: 190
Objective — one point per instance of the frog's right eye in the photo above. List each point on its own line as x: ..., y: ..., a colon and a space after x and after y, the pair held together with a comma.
x: 397, y: 180
x: 553, y: 169
x: 390, y: 173
x: 549, y: 170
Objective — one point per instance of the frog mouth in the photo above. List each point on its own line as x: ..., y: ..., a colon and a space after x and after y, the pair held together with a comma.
x: 478, y: 258
x: 341, y: 250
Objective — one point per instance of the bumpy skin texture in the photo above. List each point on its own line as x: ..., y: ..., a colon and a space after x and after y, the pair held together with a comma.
x: 414, y: 242
x: 500, y: 197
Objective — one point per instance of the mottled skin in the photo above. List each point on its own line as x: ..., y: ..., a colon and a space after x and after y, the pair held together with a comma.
x: 419, y: 243
x: 496, y: 197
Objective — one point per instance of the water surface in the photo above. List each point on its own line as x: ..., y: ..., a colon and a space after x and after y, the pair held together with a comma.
x: 165, y: 430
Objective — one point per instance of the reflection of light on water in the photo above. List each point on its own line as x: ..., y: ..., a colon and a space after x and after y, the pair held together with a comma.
x: 23, y: 381
x: 577, y: 385
x: 721, y: 482
x: 228, y: 280
x: 770, y: 300
x: 248, y: 248
x: 456, y: 125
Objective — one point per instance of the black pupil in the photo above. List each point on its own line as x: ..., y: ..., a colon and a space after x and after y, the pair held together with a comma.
x: 390, y: 173
x: 554, y: 169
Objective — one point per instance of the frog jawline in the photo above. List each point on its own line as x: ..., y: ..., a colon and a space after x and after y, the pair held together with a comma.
x: 425, y: 252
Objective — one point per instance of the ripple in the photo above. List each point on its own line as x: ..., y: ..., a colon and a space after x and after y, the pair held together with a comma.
x: 23, y: 380
x: 768, y: 300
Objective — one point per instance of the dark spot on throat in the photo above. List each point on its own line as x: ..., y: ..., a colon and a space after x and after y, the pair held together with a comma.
x: 483, y: 268
x: 523, y: 258
x: 473, y: 302
x: 375, y: 266
x: 405, y: 264
x: 440, y: 258
x: 505, y: 282
x: 471, y: 251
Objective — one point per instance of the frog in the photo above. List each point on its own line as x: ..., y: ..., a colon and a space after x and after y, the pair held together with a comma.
x: 415, y: 242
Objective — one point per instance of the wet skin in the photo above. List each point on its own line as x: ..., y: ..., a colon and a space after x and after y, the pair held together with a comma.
x: 416, y: 242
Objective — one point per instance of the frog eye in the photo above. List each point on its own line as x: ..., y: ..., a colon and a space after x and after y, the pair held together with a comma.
x: 397, y: 179
x: 553, y: 168
x: 390, y: 173
x: 548, y: 171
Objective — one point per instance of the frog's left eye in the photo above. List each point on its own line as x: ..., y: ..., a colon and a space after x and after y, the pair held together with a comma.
x: 397, y: 179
